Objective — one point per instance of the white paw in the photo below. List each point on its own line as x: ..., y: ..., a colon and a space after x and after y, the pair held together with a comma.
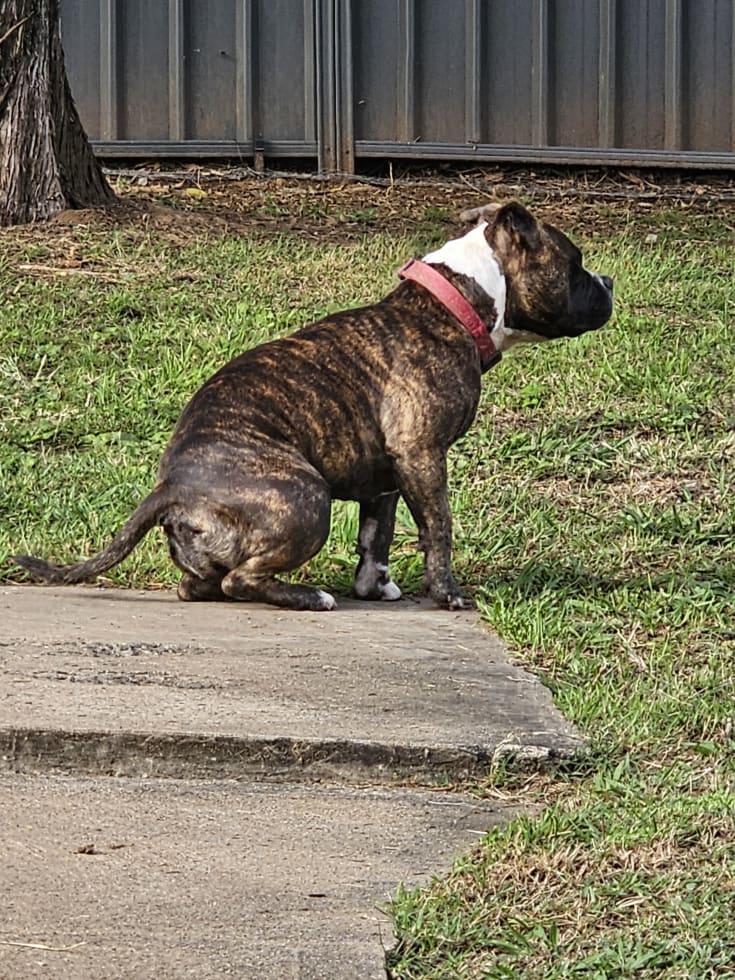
x: 327, y: 601
x: 370, y: 576
x: 390, y: 592
x: 455, y: 603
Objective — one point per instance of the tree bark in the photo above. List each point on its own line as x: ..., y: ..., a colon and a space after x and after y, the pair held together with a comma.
x: 46, y: 163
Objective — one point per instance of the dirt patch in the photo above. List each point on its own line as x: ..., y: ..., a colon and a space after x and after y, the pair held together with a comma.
x: 656, y: 491
x: 180, y: 204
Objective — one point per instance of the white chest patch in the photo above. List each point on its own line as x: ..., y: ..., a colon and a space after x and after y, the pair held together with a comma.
x: 472, y: 256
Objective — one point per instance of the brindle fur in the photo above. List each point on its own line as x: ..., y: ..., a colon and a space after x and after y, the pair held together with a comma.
x: 362, y: 405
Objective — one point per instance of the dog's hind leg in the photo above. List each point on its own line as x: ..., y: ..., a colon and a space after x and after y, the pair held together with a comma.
x: 194, y: 589
x: 249, y: 584
x: 377, y: 521
x: 289, y: 532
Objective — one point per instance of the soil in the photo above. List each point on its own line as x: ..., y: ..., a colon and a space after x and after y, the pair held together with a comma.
x: 180, y: 202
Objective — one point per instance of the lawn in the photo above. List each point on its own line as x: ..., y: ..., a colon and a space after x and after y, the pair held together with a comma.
x: 593, y: 523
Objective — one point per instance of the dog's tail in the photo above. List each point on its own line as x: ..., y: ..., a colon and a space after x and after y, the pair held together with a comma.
x: 143, y: 518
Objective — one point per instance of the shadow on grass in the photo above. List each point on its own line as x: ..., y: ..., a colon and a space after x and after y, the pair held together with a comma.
x: 574, y: 580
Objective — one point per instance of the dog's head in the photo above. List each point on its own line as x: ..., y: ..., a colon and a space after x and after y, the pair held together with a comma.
x: 533, y: 272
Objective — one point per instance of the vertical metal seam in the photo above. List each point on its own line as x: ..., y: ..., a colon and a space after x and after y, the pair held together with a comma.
x: 109, y: 122
x: 345, y: 102
x: 332, y: 80
x: 407, y: 89
x: 606, y: 98
x: 326, y: 121
x: 473, y: 69
x: 176, y: 93
x: 244, y: 72
x: 331, y: 93
x: 672, y: 76
x: 540, y: 74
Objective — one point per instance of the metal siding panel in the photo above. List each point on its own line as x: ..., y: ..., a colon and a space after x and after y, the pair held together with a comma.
x: 210, y: 70
x: 732, y: 86
x: 507, y: 113
x: 142, y: 31
x: 377, y: 57
x: 708, y: 75
x: 641, y: 73
x: 280, y: 79
x: 627, y: 81
x: 574, y: 73
x: 440, y: 71
x: 80, y: 37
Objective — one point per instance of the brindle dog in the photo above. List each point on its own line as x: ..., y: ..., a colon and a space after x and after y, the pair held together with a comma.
x: 362, y: 405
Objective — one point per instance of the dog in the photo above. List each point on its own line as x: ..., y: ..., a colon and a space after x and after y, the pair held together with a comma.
x: 362, y: 405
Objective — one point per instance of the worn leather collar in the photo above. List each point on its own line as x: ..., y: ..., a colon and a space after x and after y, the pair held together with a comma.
x: 450, y: 297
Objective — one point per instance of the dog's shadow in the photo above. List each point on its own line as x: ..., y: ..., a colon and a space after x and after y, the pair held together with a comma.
x: 574, y: 580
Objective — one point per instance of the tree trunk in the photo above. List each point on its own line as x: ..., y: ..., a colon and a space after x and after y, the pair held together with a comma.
x: 46, y: 164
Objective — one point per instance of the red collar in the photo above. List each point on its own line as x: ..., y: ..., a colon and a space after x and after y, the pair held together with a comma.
x: 451, y: 298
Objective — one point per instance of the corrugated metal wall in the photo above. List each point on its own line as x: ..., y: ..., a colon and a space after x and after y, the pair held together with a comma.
x: 586, y: 81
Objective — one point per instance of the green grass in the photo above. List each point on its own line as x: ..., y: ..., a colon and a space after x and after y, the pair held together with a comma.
x: 593, y: 522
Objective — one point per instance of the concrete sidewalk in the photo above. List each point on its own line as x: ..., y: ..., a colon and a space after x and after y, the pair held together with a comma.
x: 299, y: 752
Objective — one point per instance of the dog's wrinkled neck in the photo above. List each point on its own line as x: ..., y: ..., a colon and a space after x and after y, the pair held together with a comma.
x: 472, y: 258
x: 481, y: 301
x: 463, y: 298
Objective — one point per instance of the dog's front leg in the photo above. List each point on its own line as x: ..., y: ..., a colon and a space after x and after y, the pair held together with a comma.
x: 377, y: 521
x: 422, y: 478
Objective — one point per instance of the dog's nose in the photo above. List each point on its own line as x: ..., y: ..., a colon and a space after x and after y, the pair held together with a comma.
x: 607, y: 283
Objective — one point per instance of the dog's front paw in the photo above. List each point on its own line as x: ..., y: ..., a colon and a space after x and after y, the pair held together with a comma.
x: 389, y: 591
x: 373, y: 581
x: 451, y: 601
x: 445, y: 593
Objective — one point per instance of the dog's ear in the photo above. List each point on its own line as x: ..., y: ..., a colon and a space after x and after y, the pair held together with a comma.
x: 483, y: 213
x: 519, y: 224
x: 514, y: 236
